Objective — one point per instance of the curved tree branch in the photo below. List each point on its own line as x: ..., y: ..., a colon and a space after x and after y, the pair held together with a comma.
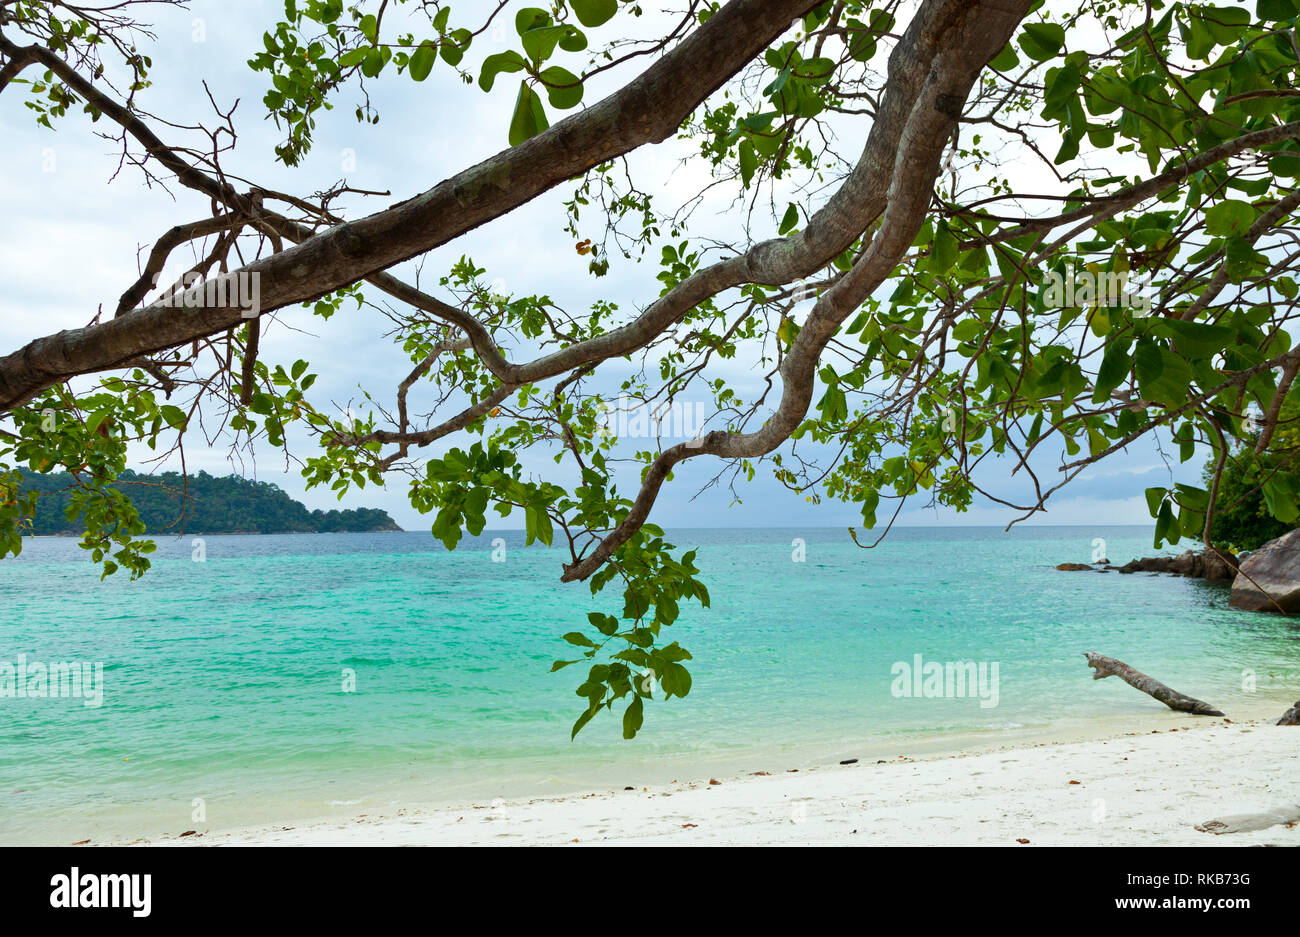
x: 971, y: 37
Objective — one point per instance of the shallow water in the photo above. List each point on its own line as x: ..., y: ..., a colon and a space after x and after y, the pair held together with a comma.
x: 223, y: 679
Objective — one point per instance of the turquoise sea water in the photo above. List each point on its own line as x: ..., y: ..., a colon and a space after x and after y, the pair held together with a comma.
x: 223, y: 679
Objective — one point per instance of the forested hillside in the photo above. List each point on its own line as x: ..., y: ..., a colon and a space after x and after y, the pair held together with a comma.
x: 203, y: 503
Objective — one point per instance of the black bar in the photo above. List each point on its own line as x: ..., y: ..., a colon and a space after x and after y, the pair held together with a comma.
x: 944, y: 885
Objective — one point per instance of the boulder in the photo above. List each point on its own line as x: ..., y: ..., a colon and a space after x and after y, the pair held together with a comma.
x: 1208, y: 564
x: 1148, y: 564
x: 1219, y: 565
x: 1269, y: 580
x: 1291, y: 717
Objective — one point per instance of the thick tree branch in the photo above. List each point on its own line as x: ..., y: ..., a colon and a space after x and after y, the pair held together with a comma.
x: 648, y: 109
x: 968, y: 37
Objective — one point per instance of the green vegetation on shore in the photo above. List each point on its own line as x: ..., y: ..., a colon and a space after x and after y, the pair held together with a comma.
x: 171, y: 503
x: 1257, y: 495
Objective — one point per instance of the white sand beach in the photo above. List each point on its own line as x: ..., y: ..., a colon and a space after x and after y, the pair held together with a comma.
x: 1138, y: 789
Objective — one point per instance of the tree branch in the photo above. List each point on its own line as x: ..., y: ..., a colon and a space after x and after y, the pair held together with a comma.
x: 648, y: 109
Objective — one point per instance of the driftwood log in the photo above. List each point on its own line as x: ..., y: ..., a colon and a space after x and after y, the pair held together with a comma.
x: 1109, y: 667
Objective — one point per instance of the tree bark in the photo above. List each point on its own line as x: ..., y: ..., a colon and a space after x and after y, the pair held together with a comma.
x: 1109, y: 667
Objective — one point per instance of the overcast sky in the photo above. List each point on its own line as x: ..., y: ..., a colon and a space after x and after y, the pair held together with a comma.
x: 71, y: 240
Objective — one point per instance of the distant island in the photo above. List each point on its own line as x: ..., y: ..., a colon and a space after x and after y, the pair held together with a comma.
x: 203, y: 504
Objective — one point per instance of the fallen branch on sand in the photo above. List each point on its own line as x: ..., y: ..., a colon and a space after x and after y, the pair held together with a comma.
x: 1247, y: 822
x: 1108, y: 667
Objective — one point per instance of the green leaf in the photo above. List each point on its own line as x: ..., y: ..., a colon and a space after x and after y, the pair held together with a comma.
x: 779, y: 82
x: 452, y: 52
x: 1285, y: 164
x: 1198, y: 339
x: 1061, y: 87
x: 1097, y: 443
x: 943, y: 253
x: 748, y: 162
x: 1224, y: 23
x: 422, y: 60
x: 493, y: 65
x: 605, y: 624
x: 1162, y: 376
x: 529, y: 118
x: 1240, y: 259
x: 373, y: 63
x: 1281, y: 492
x: 174, y: 416
x: 531, y: 18
x: 1115, y: 366
x: 540, y: 43
x: 790, y: 220
x: 582, y: 721
x: 633, y: 717
x: 541, y: 522
x: 1069, y: 149
x: 870, y: 501
x: 594, y: 12
x: 1276, y: 10
x: 573, y: 40
x: 1167, y: 527
x: 1042, y: 41
x: 563, y: 88
x: 1005, y: 60
x: 1230, y: 218
x: 1196, y: 499
x: 675, y: 679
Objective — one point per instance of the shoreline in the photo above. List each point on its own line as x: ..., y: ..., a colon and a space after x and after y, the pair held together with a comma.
x: 499, y: 530
x: 1146, y: 786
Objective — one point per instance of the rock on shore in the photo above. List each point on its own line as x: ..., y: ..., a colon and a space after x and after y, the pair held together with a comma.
x: 1207, y: 564
x: 1269, y: 580
x: 1211, y: 565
